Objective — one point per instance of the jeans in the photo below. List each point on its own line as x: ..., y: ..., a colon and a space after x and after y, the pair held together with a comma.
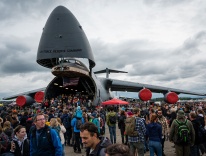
x: 155, y: 146
x: 137, y: 145
x: 112, y: 132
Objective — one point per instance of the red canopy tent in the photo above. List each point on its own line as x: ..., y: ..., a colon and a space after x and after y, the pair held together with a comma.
x: 115, y: 102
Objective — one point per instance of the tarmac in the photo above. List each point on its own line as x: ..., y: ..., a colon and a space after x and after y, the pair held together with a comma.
x: 169, y: 150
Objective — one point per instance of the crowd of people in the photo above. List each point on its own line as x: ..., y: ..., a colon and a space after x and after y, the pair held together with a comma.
x: 47, y: 129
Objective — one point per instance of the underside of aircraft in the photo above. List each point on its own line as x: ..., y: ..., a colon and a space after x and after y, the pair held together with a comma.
x: 62, y: 46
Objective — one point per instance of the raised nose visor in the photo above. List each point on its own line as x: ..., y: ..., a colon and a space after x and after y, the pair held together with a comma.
x: 63, y: 37
x: 70, y: 70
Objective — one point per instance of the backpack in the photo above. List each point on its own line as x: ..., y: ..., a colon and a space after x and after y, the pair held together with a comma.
x: 112, y: 119
x: 183, y: 133
x: 130, y: 127
x: 78, y: 123
x: 201, y: 133
x: 67, y: 122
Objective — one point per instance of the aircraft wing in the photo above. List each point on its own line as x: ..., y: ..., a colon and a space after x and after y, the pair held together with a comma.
x: 119, y: 85
x: 29, y: 93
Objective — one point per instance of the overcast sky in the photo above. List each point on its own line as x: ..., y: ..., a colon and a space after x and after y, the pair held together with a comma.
x: 158, y: 42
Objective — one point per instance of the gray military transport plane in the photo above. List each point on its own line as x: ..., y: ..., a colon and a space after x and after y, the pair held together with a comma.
x: 63, y: 48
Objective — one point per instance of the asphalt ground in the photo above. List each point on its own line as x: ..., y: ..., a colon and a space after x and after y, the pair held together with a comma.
x: 168, y: 149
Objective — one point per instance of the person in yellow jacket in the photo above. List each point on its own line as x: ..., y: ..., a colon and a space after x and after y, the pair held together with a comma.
x: 111, y: 119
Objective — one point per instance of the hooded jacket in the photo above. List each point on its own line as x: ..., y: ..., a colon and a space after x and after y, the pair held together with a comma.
x: 100, y: 148
x: 78, y: 113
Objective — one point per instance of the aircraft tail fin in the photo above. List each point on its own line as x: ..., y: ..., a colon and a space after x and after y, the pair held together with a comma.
x: 108, y: 71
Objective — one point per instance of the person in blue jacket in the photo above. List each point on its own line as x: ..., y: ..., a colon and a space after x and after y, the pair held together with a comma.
x: 76, y: 124
x: 43, y: 139
x: 154, y: 133
x: 95, y: 120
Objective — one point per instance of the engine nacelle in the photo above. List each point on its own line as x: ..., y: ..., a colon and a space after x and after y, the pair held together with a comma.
x: 24, y: 100
x: 171, y: 97
x: 39, y: 96
x: 145, y: 94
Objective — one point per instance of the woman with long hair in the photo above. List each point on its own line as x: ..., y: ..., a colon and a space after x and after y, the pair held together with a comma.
x: 54, y: 124
x: 154, y: 133
x: 121, y: 125
x: 61, y: 134
x: 8, y: 130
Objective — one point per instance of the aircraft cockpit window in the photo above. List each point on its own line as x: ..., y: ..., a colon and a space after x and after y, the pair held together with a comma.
x: 72, y: 61
x: 77, y: 62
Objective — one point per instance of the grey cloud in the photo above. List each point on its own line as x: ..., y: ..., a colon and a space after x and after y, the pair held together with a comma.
x: 121, y: 54
x: 191, y: 45
x: 15, y: 10
x: 165, y: 3
x: 17, y: 57
x: 148, y: 68
x: 168, y: 65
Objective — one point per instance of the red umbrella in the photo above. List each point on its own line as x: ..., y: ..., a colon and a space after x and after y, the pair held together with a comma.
x: 115, y: 102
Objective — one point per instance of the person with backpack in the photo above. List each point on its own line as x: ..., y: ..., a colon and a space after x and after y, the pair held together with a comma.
x: 43, y: 139
x: 136, y: 137
x: 111, y: 119
x: 76, y: 124
x: 102, y: 125
x: 95, y: 120
x: 182, y: 134
x: 121, y: 125
x: 154, y: 133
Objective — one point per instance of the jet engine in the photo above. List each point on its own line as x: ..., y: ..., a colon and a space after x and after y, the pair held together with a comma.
x: 145, y: 94
x: 39, y: 96
x: 171, y: 97
x: 24, y: 100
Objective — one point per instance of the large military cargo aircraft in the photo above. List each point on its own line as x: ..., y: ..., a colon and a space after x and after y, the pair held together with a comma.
x: 64, y: 48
